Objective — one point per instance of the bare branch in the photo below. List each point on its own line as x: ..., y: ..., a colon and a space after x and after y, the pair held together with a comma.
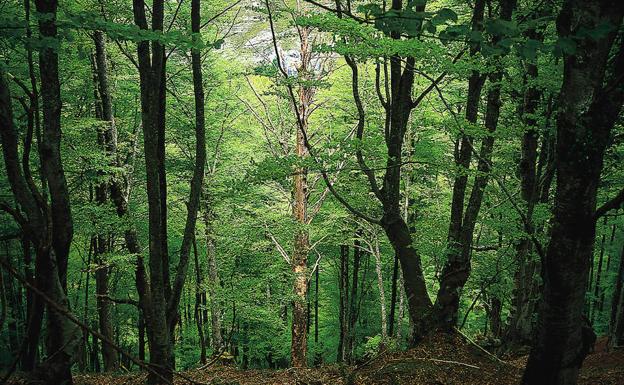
x: 278, y: 246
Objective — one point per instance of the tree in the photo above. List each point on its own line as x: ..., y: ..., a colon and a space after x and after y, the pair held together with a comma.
x: 48, y: 225
x: 159, y: 298
x: 590, y: 100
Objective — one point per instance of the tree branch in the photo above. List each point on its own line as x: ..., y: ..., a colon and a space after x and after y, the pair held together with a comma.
x: 614, y: 203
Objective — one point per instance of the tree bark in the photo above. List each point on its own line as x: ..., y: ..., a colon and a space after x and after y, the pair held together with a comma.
x: 343, y: 289
x: 62, y: 345
x: 519, y: 330
x: 198, y: 299
x: 213, y: 277
x: 153, y: 297
x: 616, y: 324
x: 393, y: 296
x: 382, y: 292
x: 458, y: 266
x: 198, y: 172
x: 300, y: 316
x: 107, y: 139
x: 352, y: 310
x: 587, y: 113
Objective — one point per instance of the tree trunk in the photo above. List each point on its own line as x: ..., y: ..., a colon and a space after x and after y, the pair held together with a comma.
x: 393, y: 296
x: 107, y: 139
x: 53, y: 237
x: 597, y: 288
x: 607, y: 268
x: 109, y: 354
x: 457, y: 267
x: 587, y: 113
x: 173, y: 298
x: 343, y: 289
x: 213, y: 278
x: 198, y: 298
x: 153, y: 297
x: 382, y: 293
x: 352, y: 311
x: 519, y: 330
x: 447, y: 300
x: 300, y: 210
x: 616, y: 324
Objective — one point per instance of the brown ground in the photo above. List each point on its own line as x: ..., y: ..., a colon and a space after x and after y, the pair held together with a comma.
x: 439, y: 360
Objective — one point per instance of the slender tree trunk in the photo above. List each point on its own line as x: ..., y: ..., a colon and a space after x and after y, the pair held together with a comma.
x: 353, y: 308
x: 382, y: 293
x: 496, y: 307
x: 198, y: 314
x: 213, y: 277
x: 597, y: 288
x: 343, y: 289
x: 607, y: 268
x: 318, y: 358
x: 448, y: 298
x: 107, y: 139
x: 616, y: 324
x: 300, y: 211
x: 175, y: 290
x: 587, y: 113
x: 153, y: 298
x: 393, y: 296
x: 109, y: 354
x: 519, y: 330
x: 458, y: 266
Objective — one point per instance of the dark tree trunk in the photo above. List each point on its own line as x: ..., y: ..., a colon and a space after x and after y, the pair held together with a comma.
x: 587, y: 113
x: 519, y: 330
x: 141, y: 327
x: 198, y: 299
x: 52, y: 234
x: 457, y: 267
x: 160, y: 299
x: 153, y: 295
x: 447, y: 302
x: 353, y: 302
x: 495, y: 309
x: 198, y: 174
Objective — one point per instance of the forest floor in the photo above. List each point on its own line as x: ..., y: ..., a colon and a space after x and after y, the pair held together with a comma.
x: 438, y: 360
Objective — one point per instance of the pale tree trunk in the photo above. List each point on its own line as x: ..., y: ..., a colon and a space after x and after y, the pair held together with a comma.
x: 199, y: 321
x: 213, y: 277
x: 301, y: 248
x: 382, y: 293
x: 343, y: 289
x: 401, y: 313
x: 616, y: 325
x: 107, y: 139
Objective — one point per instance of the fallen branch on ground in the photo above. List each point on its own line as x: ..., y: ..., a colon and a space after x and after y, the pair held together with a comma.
x: 481, y: 348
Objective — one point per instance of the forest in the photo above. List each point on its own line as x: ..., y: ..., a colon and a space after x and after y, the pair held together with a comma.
x: 311, y: 192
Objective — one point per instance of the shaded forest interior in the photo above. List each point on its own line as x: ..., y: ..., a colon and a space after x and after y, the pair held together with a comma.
x: 312, y: 192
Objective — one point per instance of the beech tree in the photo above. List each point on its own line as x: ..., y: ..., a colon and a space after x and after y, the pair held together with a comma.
x: 590, y: 101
